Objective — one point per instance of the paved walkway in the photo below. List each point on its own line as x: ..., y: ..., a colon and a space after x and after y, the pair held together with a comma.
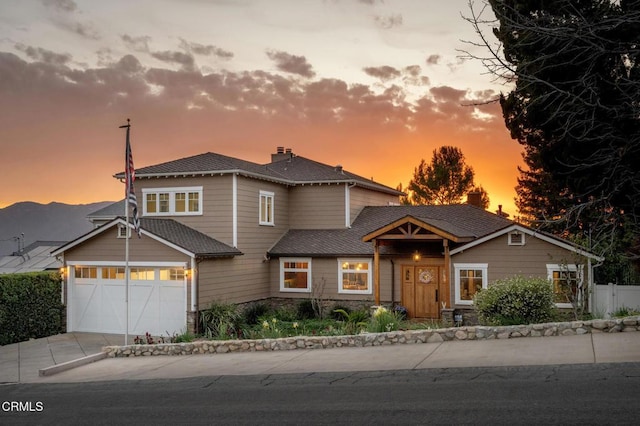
x: 21, y: 362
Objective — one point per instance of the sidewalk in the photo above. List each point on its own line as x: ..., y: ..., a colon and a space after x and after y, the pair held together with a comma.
x: 579, y: 349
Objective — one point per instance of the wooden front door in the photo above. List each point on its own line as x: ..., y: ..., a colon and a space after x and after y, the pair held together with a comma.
x: 420, y: 284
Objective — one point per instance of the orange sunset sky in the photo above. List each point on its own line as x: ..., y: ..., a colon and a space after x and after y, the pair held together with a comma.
x: 372, y: 85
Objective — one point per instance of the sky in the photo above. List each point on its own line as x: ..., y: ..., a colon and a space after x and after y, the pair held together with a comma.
x: 373, y: 85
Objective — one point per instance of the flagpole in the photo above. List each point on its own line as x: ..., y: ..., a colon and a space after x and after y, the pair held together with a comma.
x: 126, y: 236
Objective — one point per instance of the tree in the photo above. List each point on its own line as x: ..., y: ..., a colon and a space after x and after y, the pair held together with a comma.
x: 443, y: 181
x: 574, y: 69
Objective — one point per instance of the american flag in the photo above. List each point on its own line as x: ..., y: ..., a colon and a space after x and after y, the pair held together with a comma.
x: 130, y: 177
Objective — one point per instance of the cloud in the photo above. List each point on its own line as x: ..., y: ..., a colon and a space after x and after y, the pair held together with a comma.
x: 206, y: 50
x: 137, y: 44
x: 384, y: 73
x: 291, y: 63
x: 186, y: 60
x: 66, y: 6
x: 43, y: 55
x: 388, y: 21
x: 433, y: 59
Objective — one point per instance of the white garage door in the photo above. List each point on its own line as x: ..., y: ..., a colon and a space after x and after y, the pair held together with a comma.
x: 157, y: 300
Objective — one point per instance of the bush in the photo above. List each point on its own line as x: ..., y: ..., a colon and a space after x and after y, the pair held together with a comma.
x: 338, y: 316
x: 353, y: 321
x: 384, y: 320
x: 253, y: 312
x: 30, y: 306
x: 306, y: 310
x: 221, y: 321
x: 515, y: 300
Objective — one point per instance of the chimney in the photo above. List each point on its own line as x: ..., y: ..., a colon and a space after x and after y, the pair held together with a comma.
x: 282, y: 154
x: 338, y: 168
x: 475, y: 198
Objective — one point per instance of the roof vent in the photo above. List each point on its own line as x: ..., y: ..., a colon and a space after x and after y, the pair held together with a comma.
x: 280, y: 150
x: 339, y: 168
x: 516, y: 238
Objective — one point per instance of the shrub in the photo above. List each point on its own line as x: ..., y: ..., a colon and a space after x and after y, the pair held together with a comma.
x: 253, y: 312
x: 515, y: 300
x: 221, y: 321
x: 30, y: 306
x: 353, y: 321
x: 334, y: 313
x: 384, y: 320
x: 306, y: 309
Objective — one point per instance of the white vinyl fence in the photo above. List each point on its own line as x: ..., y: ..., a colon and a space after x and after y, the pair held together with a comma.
x: 608, y: 298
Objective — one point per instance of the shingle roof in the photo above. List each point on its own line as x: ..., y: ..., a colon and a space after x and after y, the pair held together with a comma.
x: 110, y: 211
x: 291, y: 171
x: 187, y: 238
x: 461, y: 220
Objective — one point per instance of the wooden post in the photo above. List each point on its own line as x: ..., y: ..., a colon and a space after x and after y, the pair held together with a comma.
x: 376, y: 271
x: 445, y: 290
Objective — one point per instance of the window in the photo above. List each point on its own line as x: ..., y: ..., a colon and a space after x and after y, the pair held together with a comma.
x: 86, y: 272
x: 295, y: 275
x: 172, y: 274
x: 112, y: 273
x: 567, y: 283
x: 122, y: 231
x: 266, y: 208
x: 142, y: 274
x: 516, y: 238
x: 172, y: 201
x: 469, y: 279
x: 354, y: 276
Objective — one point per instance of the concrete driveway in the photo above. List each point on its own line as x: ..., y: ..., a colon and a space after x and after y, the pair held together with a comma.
x: 21, y: 362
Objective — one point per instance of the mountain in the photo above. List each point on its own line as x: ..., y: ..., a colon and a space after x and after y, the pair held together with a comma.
x: 43, y: 222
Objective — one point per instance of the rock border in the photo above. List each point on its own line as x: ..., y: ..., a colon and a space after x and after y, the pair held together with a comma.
x: 378, y: 339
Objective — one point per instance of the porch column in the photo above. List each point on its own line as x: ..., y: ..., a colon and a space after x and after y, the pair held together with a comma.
x: 376, y: 270
x: 446, y: 288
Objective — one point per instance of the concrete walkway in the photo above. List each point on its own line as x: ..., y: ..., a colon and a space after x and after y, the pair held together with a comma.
x: 41, y: 353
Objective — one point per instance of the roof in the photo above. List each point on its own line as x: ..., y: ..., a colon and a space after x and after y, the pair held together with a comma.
x: 291, y: 171
x: 461, y: 220
x: 109, y: 212
x: 170, y: 232
x: 34, y: 257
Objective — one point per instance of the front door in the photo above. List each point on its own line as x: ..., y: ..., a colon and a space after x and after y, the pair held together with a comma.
x: 420, y: 290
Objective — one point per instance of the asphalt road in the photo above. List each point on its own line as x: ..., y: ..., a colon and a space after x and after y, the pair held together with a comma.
x: 569, y: 394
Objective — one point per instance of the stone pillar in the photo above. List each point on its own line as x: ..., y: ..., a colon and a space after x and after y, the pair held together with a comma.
x: 446, y: 315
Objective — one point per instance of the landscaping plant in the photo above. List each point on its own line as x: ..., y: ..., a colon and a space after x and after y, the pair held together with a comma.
x: 221, y: 321
x: 515, y: 300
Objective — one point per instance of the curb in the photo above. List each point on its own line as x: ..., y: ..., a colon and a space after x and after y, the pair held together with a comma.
x: 48, y: 371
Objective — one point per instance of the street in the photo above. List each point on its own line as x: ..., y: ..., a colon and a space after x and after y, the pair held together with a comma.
x: 568, y: 394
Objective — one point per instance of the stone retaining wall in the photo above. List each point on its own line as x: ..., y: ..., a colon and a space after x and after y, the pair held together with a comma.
x: 378, y: 339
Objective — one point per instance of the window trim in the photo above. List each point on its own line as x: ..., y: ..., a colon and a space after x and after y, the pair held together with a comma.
x: 341, y: 271
x: 457, y: 267
x: 556, y: 267
x: 268, y: 196
x: 307, y: 270
x: 519, y: 233
x: 172, y: 200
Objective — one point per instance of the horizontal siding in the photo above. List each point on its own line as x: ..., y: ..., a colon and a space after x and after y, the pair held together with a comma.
x: 360, y: 197
x: 107, y: 247
x: 236, y: 280
x: 217, y: 203
x: 527, y: 260
x: 317, y: 207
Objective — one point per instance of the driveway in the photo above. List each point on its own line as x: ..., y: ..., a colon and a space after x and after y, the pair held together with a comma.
x: 21, y: 362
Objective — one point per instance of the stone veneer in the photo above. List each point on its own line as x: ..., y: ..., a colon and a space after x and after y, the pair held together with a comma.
x: 378, y: 339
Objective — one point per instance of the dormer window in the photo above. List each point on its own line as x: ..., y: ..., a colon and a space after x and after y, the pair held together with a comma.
x: 516, y: 238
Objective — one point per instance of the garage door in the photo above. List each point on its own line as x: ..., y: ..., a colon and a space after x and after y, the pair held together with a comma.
x: 157, y: 300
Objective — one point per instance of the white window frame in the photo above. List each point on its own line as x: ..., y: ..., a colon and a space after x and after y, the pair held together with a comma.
x: 121, y: 231
x: 457, y: 267
x: 269, y: 198
x: 341, y: 272
x: 522, y: 241
x: 555, y: 267
x: 172, y: 200
x: 307, y: 270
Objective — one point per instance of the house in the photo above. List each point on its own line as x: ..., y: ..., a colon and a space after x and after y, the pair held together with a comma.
x: 33, y: 258
x: 216, y: 228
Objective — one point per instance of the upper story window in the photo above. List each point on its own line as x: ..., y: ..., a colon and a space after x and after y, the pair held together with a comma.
x: 172, y: 201
x: 266, y: 208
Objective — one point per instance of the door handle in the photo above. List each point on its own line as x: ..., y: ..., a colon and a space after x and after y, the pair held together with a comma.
x: 436, y: 295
